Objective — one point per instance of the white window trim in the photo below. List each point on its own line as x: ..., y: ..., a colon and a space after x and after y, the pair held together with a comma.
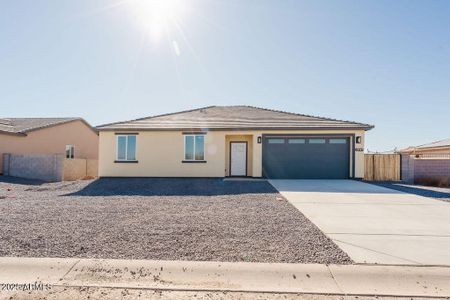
x: 126, y: 147
x: 195, y: 147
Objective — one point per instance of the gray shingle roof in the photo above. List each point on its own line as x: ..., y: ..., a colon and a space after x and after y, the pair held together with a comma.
x: 232, y: 118
x: 436, y: 144
x: 24, y: 125
x: 441, y: 143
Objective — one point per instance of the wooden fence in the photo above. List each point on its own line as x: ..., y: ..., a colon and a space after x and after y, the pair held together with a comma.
x: 79, y: 168
x: 382, y: 167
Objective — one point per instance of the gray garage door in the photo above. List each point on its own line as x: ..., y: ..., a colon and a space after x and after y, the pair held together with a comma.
x: 306, y: 158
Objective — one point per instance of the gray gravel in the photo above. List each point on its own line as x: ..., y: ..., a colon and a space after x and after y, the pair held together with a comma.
x: 169, y: 219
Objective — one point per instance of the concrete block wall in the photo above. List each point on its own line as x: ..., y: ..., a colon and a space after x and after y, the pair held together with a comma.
x: 431, y: 168
x: 415, y: 168
x: 407, y: 169
x: 46, y: 167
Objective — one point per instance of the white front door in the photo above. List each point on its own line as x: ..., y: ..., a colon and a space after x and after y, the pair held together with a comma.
x: 238, y: 159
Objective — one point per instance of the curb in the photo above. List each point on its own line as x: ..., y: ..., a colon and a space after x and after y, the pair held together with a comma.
x: 354, y: 280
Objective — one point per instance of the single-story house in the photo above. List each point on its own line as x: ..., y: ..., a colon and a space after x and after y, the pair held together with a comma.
x: 72, y: 137
x: 427, y: 164
x: 438, y: 148
x: 219, y: 141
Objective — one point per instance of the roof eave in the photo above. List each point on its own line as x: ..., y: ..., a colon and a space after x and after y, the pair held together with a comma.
x: 13, y: 133
x: 365, y: 128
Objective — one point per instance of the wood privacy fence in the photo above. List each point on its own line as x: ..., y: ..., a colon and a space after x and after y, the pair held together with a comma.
x: 382, y: 167
x: 79, y: 168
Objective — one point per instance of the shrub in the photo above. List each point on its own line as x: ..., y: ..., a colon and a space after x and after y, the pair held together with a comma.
x: 437, y: 181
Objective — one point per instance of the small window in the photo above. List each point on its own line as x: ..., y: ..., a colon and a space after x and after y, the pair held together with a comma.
x: 194, y: 147
x: 296, y: 141
x: 70, y: 151
x: 338, y: 141
x: 317, y: 141
x: 276, y: 141
x: 126, y: 147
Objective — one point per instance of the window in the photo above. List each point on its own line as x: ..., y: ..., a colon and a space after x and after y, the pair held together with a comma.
x: 338, y: 141
x: 296, y: 141
x: 126, y: 147
x: 317, y: 141
x: 70, y: 151
x: 276, y: 141
x: 194, y: 147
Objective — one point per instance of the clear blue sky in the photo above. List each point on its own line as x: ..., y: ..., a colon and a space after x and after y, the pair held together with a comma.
x: 385, y: 63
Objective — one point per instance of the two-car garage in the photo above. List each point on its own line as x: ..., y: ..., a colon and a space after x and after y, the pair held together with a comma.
x: 306, y: 157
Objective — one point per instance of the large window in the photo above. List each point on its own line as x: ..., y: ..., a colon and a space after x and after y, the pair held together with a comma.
x: 194, y: 147
x: 126, y: 148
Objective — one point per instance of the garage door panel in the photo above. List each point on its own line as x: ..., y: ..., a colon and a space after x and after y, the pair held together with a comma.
x: 306, y: 158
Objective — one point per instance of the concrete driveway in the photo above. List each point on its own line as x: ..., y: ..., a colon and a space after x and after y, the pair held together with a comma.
x: 374, y: 224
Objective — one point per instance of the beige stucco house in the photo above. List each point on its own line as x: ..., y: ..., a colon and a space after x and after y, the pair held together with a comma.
x: 221, y: 141
x: 73, y: 137
x: 438, y: 148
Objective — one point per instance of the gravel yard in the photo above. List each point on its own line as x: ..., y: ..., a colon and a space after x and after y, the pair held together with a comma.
x: 169, y: 219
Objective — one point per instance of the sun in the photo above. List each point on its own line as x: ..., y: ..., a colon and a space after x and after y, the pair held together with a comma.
x: 156, y: 16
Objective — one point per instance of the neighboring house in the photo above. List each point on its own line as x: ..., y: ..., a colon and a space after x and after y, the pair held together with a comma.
x: 427, y: 164
x: 441, y: 147
x: 72, y: 137
x: 220, y: 141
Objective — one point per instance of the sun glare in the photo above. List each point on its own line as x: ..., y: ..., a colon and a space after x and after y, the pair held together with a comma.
x: 156, y: 16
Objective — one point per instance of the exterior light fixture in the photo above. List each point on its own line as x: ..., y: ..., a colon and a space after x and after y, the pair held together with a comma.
x: 259, y: 140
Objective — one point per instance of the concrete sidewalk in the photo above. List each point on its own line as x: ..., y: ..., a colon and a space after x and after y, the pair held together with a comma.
x: 363, y: 280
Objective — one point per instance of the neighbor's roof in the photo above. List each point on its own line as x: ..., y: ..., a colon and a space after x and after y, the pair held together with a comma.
x: 232, y: 118
x: 24, y: 125
x: 436, y: 144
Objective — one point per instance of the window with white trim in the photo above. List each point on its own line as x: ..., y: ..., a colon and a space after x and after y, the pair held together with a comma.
x: 70, y: 151
x: 194, y: 147
x: 126, y: 147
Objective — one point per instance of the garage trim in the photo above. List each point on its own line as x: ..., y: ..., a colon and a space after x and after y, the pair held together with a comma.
x: 351, y: 136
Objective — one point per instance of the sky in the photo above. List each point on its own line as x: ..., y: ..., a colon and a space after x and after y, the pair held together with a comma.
x: 385, y: 63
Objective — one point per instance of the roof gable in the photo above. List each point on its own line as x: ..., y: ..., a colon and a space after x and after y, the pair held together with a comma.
x: 24, y: 125
x: 232, y: 118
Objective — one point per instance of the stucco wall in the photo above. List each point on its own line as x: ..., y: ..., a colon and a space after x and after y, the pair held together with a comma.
x: 53, y: 140
x: 160, y: 154
x: 359, y: 156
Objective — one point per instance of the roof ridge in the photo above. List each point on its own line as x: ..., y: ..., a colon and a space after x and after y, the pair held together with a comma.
x: 155, y: 116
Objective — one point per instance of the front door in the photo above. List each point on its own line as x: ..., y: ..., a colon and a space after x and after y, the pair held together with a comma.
x: 238, y: 159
